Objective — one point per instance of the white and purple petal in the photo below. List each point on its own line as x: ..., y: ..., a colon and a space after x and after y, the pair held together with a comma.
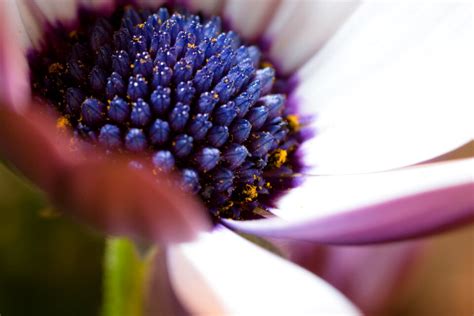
x: 223, y: 274
x: 207, y: 6
x: 371, y: 208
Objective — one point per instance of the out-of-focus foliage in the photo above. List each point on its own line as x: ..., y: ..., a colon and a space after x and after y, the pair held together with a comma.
x: 49, y: 265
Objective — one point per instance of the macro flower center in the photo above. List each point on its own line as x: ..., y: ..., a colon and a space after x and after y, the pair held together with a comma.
x: 178, y: 87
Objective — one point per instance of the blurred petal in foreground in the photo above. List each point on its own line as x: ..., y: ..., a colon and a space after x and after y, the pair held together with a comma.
x: 109, y: 195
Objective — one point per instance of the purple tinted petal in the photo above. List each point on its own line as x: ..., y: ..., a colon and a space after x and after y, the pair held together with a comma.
x: 14, y: 84
x: 370, y: 276
x: 103, y: 5
x: 31, y: 145
x: 123, y: 200
x: 110, y: 196
x: 207, y: 6
x: 161, y: 299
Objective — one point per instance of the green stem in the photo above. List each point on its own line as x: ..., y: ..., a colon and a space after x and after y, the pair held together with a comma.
x: 125, y: 275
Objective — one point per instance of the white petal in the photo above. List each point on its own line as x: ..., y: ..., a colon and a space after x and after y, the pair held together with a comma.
x: 15, y: 22
x: 248, y: 17
x: 392, y: 88
x: 206, y: 6
x: 223, y: 274
x: 300, y: 28
x: 31, y: 21
x: 54, y: 10
x: 375, y: 207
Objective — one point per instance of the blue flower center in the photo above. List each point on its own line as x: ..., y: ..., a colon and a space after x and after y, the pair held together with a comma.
x: 179, y: 88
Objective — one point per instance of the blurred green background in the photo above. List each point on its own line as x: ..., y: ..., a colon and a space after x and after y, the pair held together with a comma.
x: 49, y: 265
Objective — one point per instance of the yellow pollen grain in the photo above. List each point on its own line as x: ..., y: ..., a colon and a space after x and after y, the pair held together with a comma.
x: 191, y: 45
x: 141, y: 25
x: 228, y: 206
x: 55, y: 68
x: 72, y: 34
x: 267, y: 64
x: 250, y: 192
x: 279, y: 157
x: 63, y: 123
x: 262, y: 212
x: 294, y: 122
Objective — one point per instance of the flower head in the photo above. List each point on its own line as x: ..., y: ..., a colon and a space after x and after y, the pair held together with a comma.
x: 373, y: 109
x: 176, y: 87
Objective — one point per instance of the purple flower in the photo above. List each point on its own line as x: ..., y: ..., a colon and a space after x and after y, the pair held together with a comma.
x: 384, y: 86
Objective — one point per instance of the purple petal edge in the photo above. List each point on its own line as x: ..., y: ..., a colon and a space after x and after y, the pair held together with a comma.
x: 404, y: 218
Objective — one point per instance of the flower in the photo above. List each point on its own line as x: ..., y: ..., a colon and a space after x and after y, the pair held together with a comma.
x: 378, y: 106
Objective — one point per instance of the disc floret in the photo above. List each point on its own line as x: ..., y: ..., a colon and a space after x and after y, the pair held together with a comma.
x: 180, y: 89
